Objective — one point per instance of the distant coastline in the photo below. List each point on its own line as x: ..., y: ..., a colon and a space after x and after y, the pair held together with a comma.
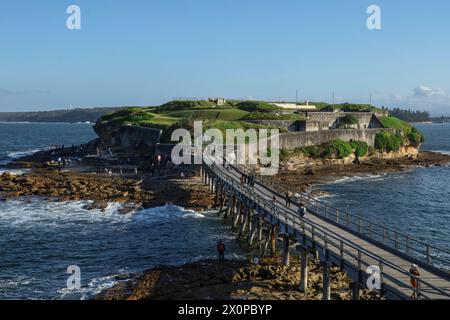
x: 88, y: 115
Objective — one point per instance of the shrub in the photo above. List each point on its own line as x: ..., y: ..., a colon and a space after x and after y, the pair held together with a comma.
x: 415, y: 137
x: 337, y: 148
x: 349, y: 120
x: 310, y: 152
x: 361, y: 148
x: 386, y: 141
x: 284, y: 154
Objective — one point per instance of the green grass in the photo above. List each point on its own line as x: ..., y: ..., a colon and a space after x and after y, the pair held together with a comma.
x: 121, y: 113
x: 178, y: 105
x: 256, y: 106
x: 396, y: 123
x: 229, y: 114
x: 272, y: 116
x: 348, y: 107
x: 414, y: 136
x: 144, y: 118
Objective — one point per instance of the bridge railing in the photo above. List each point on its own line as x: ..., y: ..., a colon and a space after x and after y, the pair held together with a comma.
x: 348, y: 251
x: 407, y: 244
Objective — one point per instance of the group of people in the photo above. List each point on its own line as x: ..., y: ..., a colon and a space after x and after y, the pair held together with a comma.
x: 64, y: 161
x: 248, y: 179
x: 109, y: 171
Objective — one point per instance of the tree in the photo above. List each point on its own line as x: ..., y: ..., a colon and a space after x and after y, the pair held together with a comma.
x: 349, y: 120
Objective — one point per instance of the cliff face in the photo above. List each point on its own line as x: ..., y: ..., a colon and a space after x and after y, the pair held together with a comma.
x: 127, y: 138
x: 299, y: 161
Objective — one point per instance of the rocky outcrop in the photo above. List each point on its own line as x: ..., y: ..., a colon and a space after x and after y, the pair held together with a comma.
x: 242, y: 280
x: 127, y: 137
x: 299, y: 173
x: 300, y: 161
x: 101, y: 189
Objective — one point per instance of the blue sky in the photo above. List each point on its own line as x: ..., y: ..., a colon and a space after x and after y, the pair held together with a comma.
x: 147, y: 52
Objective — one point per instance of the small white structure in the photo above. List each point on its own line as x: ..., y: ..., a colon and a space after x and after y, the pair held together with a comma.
x: 294, y: 106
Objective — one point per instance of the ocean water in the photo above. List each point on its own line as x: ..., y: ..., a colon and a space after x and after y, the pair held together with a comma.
x: 20, y: 139
x: 415, y: 202
x: 40, y: 239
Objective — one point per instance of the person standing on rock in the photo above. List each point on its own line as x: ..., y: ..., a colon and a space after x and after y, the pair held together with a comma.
x: 221, y: 250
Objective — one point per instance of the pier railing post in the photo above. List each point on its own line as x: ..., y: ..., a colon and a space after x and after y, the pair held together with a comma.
x: 326, y: 282
x: 428, y: 254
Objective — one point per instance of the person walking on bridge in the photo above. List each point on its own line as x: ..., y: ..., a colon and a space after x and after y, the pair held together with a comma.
x: 302, y: 210
x: 288, y: 198
x: 414, y: 271
x: 221, y: 250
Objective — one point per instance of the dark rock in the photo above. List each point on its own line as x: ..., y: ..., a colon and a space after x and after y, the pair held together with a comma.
x: 96, y: 205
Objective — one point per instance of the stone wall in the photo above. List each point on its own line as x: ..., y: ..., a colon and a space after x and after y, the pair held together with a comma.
x: 331, y: 120
x: 290, y: 125
x: 292, y: 140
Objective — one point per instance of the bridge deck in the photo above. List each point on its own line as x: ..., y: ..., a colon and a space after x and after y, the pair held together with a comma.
x: 397, y: 280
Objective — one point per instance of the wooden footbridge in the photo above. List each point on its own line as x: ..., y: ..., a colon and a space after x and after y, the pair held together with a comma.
x: 369, y: 253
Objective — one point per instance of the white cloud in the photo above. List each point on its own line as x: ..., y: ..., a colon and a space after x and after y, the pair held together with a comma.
x: 424, y: 91
x: 425, y: 98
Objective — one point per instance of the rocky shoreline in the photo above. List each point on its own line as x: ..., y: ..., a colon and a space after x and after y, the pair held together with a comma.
x: 268, y: 280
x: 233, y: 280
x: 307, y: 178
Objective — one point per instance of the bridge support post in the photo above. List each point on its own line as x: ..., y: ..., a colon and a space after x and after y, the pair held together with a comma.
x: 223, y: 198
x: 217, y: 196
x: 233, y: 205
x: 273, y: 239
x: 356, y: 290
x: 246, y: 214
x: 260, y: 227
x: 303, y: 269
x: 266, y: 243
x: 326, y: 295
x: 237, y: 217
x: 286, y: 251
x: 227, y: 211
x: 250, y: 220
